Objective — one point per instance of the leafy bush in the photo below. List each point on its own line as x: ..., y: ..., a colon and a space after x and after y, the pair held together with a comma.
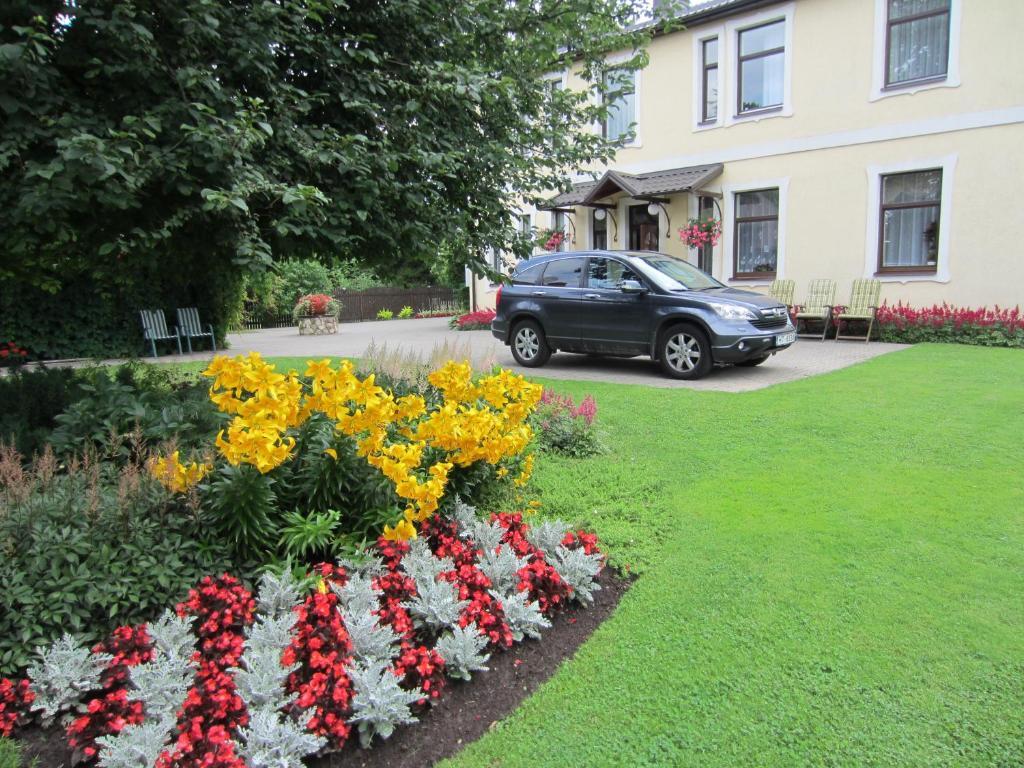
x: 300, y: 277
x: 32, y: 401
x: 88, y: 550
x: 385, y: 314
x: 480, y: 320
x: 405, y: 313
x: 560, y: 426
x: 986, y: 327
x: 125, y: 414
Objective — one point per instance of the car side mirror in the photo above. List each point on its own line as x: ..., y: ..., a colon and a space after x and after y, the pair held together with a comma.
x: 632, y: 286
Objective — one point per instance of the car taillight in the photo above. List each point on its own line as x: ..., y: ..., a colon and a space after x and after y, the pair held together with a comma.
x: 497, y: 298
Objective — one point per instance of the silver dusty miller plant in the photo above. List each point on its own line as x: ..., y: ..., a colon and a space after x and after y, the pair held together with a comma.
x: 421, y: 565
x: 524, y: 618
x: 462, y: 650
x: 62, y: 675
x: 261, y: 678
x: 371, y: 641
x: 547, y: 536
x: 379, y: 704
x: 136, y: 746
x: 271, y: 742
x: 278, y: 595
x: 502, y: 567
x: 485, y: 536
x: 579, y: 570
x: 436, y: 604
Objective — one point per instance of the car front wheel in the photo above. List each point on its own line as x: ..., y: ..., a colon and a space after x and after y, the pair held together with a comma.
x: 685, y: 352
x: 529, y: 347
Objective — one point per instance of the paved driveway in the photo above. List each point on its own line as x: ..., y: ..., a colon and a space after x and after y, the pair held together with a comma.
x: 805, y: 358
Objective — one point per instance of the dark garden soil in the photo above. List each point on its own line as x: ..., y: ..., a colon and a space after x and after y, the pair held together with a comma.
x: 465, y: 712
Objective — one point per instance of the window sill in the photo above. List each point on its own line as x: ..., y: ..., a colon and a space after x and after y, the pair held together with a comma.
x: 760, y: 276
x: 909, y: 271
x: 757, y: 115
x: 905, y: 84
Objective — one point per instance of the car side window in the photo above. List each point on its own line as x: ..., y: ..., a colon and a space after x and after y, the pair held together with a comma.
x: 608, y: 273
x: 530, y: 275
x: 564, y: 273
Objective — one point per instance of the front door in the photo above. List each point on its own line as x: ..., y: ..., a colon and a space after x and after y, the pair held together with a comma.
x: 613, y: 322
x: 643, y: 229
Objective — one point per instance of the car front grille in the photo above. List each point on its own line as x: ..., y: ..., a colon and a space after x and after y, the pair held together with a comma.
x: 771, y: 318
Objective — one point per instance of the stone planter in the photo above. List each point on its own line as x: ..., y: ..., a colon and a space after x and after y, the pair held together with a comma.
x: 318, y: 325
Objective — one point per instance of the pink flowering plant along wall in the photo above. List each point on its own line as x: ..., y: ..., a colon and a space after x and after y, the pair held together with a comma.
x: 995, y: 327
x: 562, y: 426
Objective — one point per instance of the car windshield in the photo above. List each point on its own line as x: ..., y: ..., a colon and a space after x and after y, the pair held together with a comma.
x: 681, y: 275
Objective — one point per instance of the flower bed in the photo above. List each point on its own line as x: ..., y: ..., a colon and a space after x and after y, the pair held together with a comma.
x: 229, y: 680
x: 480, y: 320
x: 996, y: 327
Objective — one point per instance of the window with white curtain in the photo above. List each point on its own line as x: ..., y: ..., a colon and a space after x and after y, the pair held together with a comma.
x: 909, y: 227
x: 621, y: 100
x: 917, y: 40
x: 756, y: 234
x: 761, y: 73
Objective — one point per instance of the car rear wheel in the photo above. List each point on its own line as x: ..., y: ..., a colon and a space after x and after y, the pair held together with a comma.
x: 752, y: 362
x: 685, y: 352
x: 529, y: 347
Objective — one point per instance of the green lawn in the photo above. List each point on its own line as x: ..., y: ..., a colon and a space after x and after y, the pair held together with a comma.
x: 832, y: 574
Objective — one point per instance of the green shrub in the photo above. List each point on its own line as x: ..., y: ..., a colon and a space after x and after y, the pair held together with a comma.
x: 405, y: 313
x: 299, y: 277
x: 385, y: 314
x: 32, y: 399
x: 126, y: 411
x: 89, y: 550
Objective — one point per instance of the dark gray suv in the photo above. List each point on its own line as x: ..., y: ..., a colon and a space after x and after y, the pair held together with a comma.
x: 629, y: 303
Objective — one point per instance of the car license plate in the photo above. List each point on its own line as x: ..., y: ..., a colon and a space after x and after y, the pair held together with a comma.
x: 785, y: 338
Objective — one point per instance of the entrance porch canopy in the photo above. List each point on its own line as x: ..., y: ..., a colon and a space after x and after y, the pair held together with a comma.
x: 651, y: 186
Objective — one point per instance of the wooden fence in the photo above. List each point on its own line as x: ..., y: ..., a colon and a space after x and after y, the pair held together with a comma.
x: 365, y: 304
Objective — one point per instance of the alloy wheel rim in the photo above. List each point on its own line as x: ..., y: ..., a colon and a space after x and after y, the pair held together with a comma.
x: 683, y: 352
x: 527, y: 343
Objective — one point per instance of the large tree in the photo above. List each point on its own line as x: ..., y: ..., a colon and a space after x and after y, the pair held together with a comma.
x: 156, y: 143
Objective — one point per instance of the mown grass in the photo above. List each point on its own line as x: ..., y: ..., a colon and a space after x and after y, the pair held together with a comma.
x: 832, y: 573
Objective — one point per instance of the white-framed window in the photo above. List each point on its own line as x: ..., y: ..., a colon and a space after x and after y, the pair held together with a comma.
x: 909, y: 215
x: 754, y: 231
x: 917, y: 46
x: 560, y: 224
x: 621, y: 101
x: 743, y: 69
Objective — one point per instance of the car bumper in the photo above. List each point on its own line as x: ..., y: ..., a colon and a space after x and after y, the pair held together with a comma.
x: 739, y: 348
x: 499, y: 329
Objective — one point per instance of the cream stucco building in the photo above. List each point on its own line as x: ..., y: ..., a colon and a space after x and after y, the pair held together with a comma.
x: 835, y: 139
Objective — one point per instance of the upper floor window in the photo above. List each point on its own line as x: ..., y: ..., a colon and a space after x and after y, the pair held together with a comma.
x: 909, y: 228
x: 761, y: 73
x: 621, y: 100
x: 917, y: 41
x: 756, y: 235
x: 709, y: 81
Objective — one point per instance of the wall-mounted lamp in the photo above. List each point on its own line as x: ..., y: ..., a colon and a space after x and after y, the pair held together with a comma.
x: 652, y: 210
x: 600, y: 214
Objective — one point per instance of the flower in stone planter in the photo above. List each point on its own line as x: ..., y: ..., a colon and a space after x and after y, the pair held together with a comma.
x: 316, y: 305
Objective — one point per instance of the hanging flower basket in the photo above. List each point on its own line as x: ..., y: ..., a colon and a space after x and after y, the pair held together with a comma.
x: 551, y: 239
x: 700, y: 232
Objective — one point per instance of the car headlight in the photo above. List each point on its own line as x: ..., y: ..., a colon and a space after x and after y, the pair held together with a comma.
x: 732, y: 311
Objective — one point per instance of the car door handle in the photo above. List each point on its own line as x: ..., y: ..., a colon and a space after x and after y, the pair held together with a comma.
x: 540, y: 293
x: 591, y: 295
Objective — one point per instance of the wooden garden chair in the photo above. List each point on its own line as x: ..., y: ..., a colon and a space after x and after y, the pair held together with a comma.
x: 863, y: 306
x: 154, y: 329
x: 783, y: 290
x: 190, y: 327
x: 821, y: 297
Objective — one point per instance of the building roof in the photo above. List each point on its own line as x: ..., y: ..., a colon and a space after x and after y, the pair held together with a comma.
x: 710, y: 10
x: 637, y: 185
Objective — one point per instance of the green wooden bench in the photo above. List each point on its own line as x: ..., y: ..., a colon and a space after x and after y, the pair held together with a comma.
x: 863, y: 306
x: 190, y: 327
x: 821, y: 297
x: 154, y: 329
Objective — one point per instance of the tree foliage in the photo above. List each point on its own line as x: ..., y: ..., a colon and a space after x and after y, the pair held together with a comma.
x: 146, y: 143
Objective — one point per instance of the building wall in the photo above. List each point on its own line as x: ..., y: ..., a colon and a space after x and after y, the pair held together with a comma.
x: 835, y: 130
